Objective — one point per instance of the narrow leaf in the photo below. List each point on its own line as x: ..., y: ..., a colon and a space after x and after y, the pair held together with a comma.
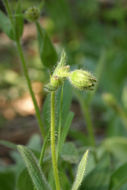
x: 48, y: 53
x: 66, y: 129
x: 24, y: 181
x: 119, y: 178
x: 81, y: 171
x: 5, y: 25
x: 18, y: 20
x: 35, y: 172
x: 8, y: 144
x: 99, y: 177
x: 7, y: 180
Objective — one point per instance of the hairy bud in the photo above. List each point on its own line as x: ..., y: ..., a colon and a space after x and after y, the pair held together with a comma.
x: 60, y: 73
x: 32, y: 14
x: 82, y: 80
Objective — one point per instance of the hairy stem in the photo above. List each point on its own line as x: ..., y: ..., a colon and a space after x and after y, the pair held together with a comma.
x: 52, y: 134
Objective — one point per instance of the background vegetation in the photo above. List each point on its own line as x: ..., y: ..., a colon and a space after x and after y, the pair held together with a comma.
x: 94, y: 36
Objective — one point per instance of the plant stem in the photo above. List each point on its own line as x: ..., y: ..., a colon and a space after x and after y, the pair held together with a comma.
x: 60, y: 123
x: 89, y: 124
x: 37, y: 111
x: 20, y: 51
x: 52, y: 134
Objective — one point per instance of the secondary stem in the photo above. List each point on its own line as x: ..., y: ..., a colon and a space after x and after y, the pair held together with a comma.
x: 86, y: 113
x: 52, y: 134
x: 60, y: 122
x: 37, y: 111
x: 20, y: 51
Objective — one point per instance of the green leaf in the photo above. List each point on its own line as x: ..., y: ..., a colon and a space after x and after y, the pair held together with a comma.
x: 5, y: 25
x: 69, y: 153
x: 119, y: 178
x: 7, y: 180
x: 48, y: 53
x: 24, y: 181
x: 46, y: 112
x: 66, y: 129
x: 33, y: 168
x: 99, y: 177
x: 8, y: 144
x: 117, y: 146
x: 19, y: 21
x: 67, y: 99
x: 80, y: 172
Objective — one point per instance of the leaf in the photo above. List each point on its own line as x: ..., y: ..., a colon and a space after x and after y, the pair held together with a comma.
x: 117, y: 146
x: 24, y: 181
x: 35, y: 142
x: 46, y: 112
x: 5, y: 25
x: 66, y: 129
x: 19, y: 21
x: 48, y: 53
x: 69, y: 153
x: 35, y: 172
x: 67, y: 99
x: 80, y: 171
x: 7, y: 180
x: 8, y: 144
x: 99, y: 177
x: 119, y: 178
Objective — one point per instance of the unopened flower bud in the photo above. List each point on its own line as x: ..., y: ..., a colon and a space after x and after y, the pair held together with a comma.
x: 32, y: 14
x: 82, y: 80
x: 62, y: 72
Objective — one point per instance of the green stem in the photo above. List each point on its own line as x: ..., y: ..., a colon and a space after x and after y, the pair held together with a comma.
x: 20, y: 51
x: 52, y: 134
x: 60, y: 122
x: 89, y: 124
x: 37, y: 111
x: 86, y: 114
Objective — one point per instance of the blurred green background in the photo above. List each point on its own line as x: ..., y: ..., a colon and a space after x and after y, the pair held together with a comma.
x: 94, y: 36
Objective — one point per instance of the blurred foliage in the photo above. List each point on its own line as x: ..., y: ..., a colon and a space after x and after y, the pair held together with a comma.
x: 86, y: 29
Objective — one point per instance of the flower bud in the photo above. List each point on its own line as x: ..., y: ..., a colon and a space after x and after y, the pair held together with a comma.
x: 32, y: 14
x: 60, y: 73
x: 82, y: 80
x: 62, y: 70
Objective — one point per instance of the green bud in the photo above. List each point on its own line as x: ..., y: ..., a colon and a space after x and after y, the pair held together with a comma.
x: 62, y: 70
x: 32, y: 14
x: 60, y: 73
x: 82, y: 80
